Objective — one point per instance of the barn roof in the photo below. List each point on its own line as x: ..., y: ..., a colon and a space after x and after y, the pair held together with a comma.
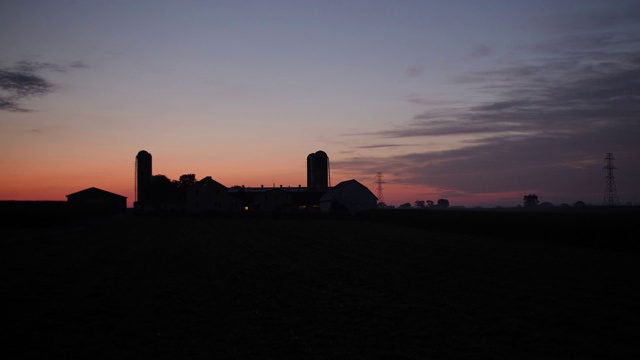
x: 94, y: 191
x: 210, y: 181
x: 343, y: 186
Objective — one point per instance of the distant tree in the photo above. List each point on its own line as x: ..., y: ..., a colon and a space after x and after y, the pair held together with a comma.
x: 443, y: 203
x: 564, y: 205
x: 430, y: 203
x: 579, y: 204
x: 546, y: 204
x: 163, y: 191
x: 186, y: 180
x: 419, y: 204
x: 162, y: 184
x: 531, y: 200
x: 161, y: 181
x: 405, y: 206
x: 382, y: 205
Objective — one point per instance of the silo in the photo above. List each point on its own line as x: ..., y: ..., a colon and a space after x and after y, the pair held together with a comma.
x: 318, y: 171
x: 309, y: 170
x: 143, y: 176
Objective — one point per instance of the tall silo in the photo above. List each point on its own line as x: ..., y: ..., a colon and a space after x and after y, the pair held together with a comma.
x: 309, y: 170
x: 318, y: 171
x: 143, y: 177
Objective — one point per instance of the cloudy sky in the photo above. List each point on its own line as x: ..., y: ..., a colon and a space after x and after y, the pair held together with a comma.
x: 479, y: 102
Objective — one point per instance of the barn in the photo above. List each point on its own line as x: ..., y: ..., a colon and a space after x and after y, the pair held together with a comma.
x: 94, y: 199
x: 350, y: 195
x: 208, y: 195
x: 275, y: 199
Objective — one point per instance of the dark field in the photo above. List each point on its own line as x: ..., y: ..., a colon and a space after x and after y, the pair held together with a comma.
x: 176, y: 287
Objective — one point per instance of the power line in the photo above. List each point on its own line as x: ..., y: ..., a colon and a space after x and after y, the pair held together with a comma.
x: 379, y: 182
x: 610, y: 192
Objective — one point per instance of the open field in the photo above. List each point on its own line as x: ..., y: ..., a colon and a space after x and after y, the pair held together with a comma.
x: 178, y: 287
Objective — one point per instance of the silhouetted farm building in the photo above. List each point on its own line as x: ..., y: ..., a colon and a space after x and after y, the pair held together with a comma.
x: 273, y: 200
x: 94, y: 199
x: 144, y: 175
x: 318, y: 171
x: 278, y: 199
x: 208, y: 195
x: 348, y: 195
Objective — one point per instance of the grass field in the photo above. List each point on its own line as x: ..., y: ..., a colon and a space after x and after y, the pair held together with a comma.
x: 251, y: 288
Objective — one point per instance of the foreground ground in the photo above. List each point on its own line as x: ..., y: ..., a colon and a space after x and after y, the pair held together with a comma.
x: 145, y: 287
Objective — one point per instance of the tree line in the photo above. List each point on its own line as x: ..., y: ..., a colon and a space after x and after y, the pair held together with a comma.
x: 163, y: 191
x: 420, y: 204
x: 528, y: 201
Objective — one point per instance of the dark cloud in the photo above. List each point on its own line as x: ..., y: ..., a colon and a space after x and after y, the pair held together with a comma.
x: 618, y: 15
x: 6, y: 103
x: 581, y: 91
x: 23, y: 80
x: 378, y: 146
x: 19, y: 82
x: 557, y: 168
x: 31, y: 66
x: 554, y: 116
x: 415, y: 99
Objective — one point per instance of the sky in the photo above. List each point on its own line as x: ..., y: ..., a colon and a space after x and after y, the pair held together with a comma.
x: 477, y: 102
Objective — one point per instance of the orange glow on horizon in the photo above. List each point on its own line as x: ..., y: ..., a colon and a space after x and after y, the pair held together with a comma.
x: 55, y: 177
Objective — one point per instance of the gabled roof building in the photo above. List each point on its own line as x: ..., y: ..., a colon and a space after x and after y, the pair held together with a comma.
x: 208, y: 195
x: 348, y: 195
x: 97, y: 199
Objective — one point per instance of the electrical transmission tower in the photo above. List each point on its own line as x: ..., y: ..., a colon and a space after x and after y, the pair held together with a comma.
x: 379, y: 183
x: 610, y: 192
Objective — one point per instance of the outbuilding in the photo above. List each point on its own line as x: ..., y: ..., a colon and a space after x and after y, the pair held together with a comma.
x: 94, y: 199
x: 348, y: 195
x: 275, y: 199
x: 208, y: 195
